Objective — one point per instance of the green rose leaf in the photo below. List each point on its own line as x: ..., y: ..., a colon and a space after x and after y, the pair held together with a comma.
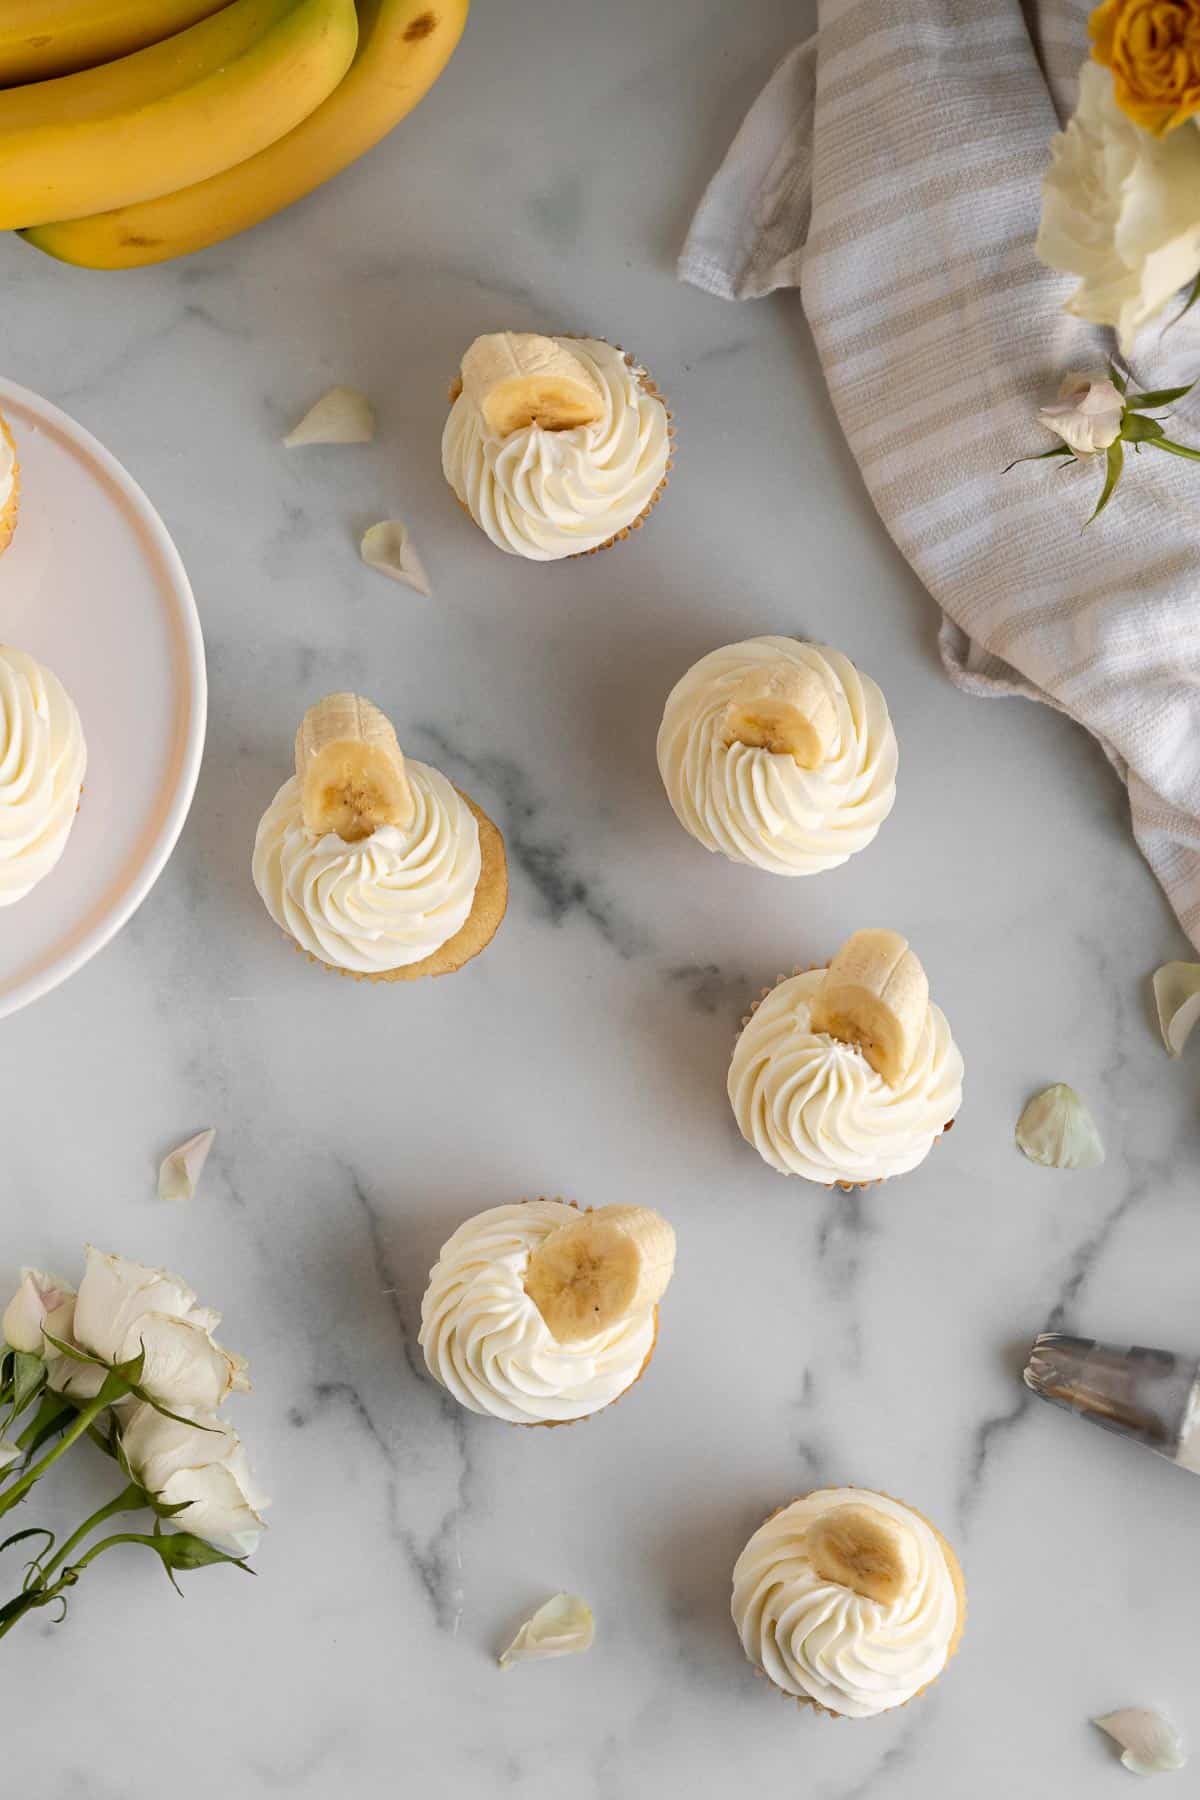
x: 29, y: 1376
x: 1041, y: 455
x: 1138, y: 430
x: 1157, y: 397
x: 1116, y: 462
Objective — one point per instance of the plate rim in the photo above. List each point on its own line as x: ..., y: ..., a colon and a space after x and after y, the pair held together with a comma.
x: 35, y: 987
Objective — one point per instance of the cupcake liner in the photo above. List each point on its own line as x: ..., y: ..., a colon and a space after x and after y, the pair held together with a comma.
x: 483, y: 921
x: 960, y: 1593
x: 8, y: 514
x: 846, y: 1187
x: 551, y: 1424
x: 648, y: 386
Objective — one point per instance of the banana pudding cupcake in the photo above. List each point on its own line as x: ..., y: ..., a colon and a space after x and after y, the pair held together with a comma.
x: 779, y: 754
x: 540, y: 1314
x: 43, y: 760
x: 847, y: 1075
x: 10, y: 485
x: 849, y: 1602
x: 556, y: 446
x: 377, y: 866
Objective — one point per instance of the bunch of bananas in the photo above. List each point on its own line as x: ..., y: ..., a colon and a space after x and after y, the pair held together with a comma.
x: 132, y: 131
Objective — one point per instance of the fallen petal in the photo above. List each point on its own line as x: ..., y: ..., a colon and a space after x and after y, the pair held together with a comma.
x: 1177, y: 997
x: 1057, y: 1130
x: 1149, y: 1743
x: 388, y: 547
x: 561, y: 1627
x: 342, y: 416
x: 179, y: 1172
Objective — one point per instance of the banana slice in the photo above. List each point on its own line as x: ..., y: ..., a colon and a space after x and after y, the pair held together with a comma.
x: 875, y: 994
x: 516, y: 378
x: 350, y: 769
x: 861, y: 1548
x: 603, y: 1267
x: 786, y: 708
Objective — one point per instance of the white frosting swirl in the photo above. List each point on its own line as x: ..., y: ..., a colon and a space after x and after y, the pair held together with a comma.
x: 826, y: 1643
x: 758, y: 806
x: 814, y: 1106
x: 486, y: 1341
x: 8, y: 463
x: 546, y: 494
x: 43, y: 759
x: 391, y: 899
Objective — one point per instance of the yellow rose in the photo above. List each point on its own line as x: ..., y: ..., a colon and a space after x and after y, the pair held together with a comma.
x: 1153, y: 50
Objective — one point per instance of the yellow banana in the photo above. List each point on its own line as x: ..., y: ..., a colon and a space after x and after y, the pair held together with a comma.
x: 41, y: 38
x: 172, y: 114
x: 403, y: 47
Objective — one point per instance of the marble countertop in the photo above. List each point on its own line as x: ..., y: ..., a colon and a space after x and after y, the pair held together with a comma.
x: 808, y: 1338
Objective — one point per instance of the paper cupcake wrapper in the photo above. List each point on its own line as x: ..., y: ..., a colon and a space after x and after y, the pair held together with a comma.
x: 846, y: 1187
x: 8, y: 514
x: 648, y: 386
x: 483, y: 921
x: 808, y: 1705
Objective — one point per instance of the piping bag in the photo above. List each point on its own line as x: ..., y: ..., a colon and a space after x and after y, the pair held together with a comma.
x: 1151, y: 1396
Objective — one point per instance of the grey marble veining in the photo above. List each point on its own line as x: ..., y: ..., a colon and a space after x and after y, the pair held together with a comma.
x: 808, y: 1338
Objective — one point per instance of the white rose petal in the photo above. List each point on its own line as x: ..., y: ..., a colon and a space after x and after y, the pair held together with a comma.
x: 180, y: 1170
x: 1086, y: 415
x: 1119, y: 211
x: 388, y: 547
x: 1057, y: 1130
x: 200, y: 1465
x: 124, y: 1307
x: 563, y: 1626
x: 342, y: 416
x: 1150, y: 1744
x: 1177, y: 997
x: 38, y: 1296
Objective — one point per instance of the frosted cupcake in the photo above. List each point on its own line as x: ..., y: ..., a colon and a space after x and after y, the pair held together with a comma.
x: 847, y: 1075
x: 376, y: 865
x: 43, y: 760
x: 10, y: 485
x: 556, y: 446
x: 778, y: 754
x: 540, y: 1314
x: 849, y: 1602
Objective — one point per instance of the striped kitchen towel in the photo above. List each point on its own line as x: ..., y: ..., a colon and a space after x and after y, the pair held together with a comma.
x: 891, y: 170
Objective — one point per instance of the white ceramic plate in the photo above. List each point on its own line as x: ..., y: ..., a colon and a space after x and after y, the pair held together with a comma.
x: 93, y: 587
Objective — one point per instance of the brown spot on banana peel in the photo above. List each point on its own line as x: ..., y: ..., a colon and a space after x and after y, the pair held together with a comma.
x: 423, y: 26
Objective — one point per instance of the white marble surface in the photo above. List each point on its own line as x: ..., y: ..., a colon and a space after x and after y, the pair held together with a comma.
x: 807, y: 1338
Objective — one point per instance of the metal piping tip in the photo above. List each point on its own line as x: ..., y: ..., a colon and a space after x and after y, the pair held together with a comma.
x: 1140, y: 1393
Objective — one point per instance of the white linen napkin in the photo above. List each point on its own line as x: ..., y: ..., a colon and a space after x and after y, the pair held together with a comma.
x: 891, y: 170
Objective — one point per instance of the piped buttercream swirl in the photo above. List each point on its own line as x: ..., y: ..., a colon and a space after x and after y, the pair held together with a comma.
x: 814, y: 1106
x: 548, y: 494
x: 389, y: 900
x: 758, y: 806
x: 823, y: 1642
x: 43, y: 759
x: 486, y: 1341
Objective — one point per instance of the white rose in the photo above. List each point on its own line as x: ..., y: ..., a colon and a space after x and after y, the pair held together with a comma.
x: 207, y: 1469
x: 123, y: 1307
x: 1086, y: 415
x: 36, y: 1303
x: 1121, y: 210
